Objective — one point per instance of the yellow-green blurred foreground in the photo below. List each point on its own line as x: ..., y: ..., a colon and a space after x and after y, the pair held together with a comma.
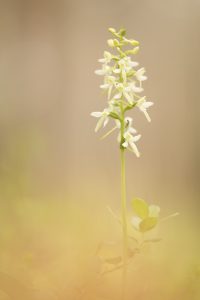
x: 49, y: 251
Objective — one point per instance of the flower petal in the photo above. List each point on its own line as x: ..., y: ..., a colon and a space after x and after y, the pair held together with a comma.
x: 148, y: 104
x: 105, y: 122
x: 96, y: 114
x: 134, y: 148
x: 99, y: 124
x: 99, y: 72
x: 136, y: 138
x: 125, y: 144
x: 146, y: 115
x: 118, y: 96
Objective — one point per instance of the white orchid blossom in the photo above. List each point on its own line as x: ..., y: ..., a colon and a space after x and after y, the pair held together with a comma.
x: 124, y: 91
x: 130, y: 140
x: 108, y: 84
x: 128, y: 127
x: 107, y: 58
x: 103, y: 121
x: 125, y: 65
x: 140, y: 74
x: 106, y: 70
x: 142, y: 104
x: 123, y: 86
x: 135, y: 89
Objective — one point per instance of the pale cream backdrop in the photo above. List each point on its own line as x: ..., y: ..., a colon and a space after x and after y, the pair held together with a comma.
x: 52, y: 164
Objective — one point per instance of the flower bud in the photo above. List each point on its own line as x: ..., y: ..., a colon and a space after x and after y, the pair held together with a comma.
x: 112, y: 30
x: 113, y: 43
x: 134, y: 42
x: 133, y: 51
x: 122, y: 32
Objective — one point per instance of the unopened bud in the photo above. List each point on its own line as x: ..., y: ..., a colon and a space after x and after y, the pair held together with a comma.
x: 122, y: 32
x: 134, y: 42
x: 112, y: 30
x: 133, y: 51
x: 113, y: 43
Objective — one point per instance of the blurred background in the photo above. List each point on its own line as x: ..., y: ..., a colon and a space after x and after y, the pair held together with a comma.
x: 57, y: 178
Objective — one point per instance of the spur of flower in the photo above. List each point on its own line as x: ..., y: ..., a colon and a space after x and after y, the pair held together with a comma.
x: 122, y: 83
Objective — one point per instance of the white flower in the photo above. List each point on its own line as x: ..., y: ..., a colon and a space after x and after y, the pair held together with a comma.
x: 106, y: 70
x: 127, y: 124
x: 103, y: 118
x: 134, y: 88
x: 107, y: 58
x: 130, y: 141
x: 140, y: 74
x: 124, y: 91
x: 142, y: 104
x: 125, y: 65
x: 128, y: 121
x: 108, y: 84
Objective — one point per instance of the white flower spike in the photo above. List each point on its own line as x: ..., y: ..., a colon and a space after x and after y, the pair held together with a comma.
x: 123, y: 86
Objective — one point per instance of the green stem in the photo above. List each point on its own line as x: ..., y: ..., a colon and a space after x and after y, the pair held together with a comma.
x: 123, y: 207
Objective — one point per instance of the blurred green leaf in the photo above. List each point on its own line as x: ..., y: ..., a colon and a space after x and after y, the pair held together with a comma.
x: 140, y: 208
x: 148, y: 224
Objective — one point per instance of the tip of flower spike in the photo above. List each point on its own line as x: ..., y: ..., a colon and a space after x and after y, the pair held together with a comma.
x: 122, y: 32
x: 112, y: 30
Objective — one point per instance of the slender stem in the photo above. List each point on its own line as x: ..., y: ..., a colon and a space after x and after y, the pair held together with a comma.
x: 123, y: 205
x: 124, y: 222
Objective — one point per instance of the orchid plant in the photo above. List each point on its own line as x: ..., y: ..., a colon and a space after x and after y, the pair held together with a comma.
x: 123, y: 85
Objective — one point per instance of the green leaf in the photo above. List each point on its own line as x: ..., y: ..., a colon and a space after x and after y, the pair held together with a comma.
x: 140, y: 208
x: 148, y: 224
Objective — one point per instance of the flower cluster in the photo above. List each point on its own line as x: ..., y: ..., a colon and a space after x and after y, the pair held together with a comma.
x: 123, y: 86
